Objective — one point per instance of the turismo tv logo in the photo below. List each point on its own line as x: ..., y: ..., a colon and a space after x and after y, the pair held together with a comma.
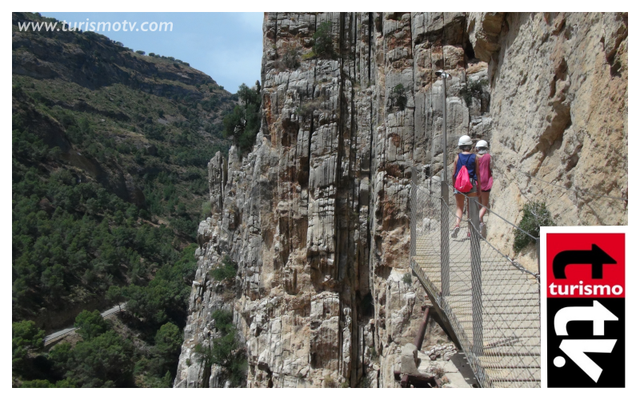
x: 585, y: 309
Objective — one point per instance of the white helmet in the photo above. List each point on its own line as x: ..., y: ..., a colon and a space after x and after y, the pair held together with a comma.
x: 465, y: 141
x: 482, y: 143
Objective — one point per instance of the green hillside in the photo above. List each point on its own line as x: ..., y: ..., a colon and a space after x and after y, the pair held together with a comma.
x: 109, y: 156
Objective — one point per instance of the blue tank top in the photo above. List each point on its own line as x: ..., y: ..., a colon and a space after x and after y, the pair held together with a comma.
x: 470, y: 161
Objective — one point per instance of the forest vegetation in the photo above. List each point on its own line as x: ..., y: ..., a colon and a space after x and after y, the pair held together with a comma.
x: 109, y: 182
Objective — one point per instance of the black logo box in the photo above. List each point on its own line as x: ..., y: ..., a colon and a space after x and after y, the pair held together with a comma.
x: 612, y: 364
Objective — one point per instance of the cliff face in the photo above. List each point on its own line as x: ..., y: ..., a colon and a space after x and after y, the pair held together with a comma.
x: 317, y: 215
x: 559, y: 109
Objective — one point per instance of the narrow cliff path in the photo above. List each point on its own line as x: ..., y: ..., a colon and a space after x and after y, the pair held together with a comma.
x: 49, y: 339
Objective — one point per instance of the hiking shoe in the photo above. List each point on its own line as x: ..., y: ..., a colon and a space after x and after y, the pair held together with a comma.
x: 454, y: 233
x: 483, y: 230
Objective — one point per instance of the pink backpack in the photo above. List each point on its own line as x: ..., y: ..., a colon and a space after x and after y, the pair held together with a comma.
x: 463, y: 183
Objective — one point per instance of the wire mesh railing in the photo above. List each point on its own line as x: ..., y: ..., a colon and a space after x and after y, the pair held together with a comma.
x: 491, y: 302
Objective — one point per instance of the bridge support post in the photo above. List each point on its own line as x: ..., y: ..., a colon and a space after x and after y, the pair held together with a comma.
x: 444, y: 207
x: 444, y: 241
x: 414, y: 210
x: 476, y: 277
x: 538, y: 254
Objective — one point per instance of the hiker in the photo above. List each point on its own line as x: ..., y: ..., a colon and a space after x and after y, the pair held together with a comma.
x: 469, y: 160
x: 486, y: 177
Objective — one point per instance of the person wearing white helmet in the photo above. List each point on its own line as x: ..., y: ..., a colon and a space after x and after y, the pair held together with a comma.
x: 468, y: 159
x: 486, y: 176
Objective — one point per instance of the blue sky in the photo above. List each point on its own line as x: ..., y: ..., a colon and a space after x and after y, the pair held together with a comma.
x: 226, y: 46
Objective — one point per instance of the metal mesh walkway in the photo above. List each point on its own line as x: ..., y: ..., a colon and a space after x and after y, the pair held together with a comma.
x: 491, y: 303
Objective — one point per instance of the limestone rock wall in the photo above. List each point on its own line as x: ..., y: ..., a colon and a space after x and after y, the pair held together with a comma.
x: 558, y: 84
x: 317, y: 215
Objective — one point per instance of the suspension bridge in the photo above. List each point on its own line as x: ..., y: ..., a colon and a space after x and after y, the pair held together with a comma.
x: 490, y: 304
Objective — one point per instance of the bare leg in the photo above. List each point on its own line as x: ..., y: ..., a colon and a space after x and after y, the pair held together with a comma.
x: 484, y: 200
x: 459, y: 207
x: 459, y: 211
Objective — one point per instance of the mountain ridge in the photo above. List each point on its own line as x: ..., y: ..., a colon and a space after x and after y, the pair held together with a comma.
x: 136, y: 126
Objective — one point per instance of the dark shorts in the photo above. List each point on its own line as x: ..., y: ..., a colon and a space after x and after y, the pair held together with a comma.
x: 473, y: 189
x: 485, y: 191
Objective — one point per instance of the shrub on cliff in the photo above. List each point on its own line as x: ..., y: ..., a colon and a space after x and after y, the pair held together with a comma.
x: 243, y: 123
x: 322, y: 41
x: 308, y: 107
x: 225, y: 270
x: 474, y: 89
x: 397, y: 98
x: 534, y: 215
x: 290, y: 58
x: 225, y: 350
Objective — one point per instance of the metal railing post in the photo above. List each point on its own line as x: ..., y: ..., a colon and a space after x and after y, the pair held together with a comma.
x: 538, y: 253
x: 444, y: 210
x: 476, y: 278
x: 414, y: 211
x: 444, y: 241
